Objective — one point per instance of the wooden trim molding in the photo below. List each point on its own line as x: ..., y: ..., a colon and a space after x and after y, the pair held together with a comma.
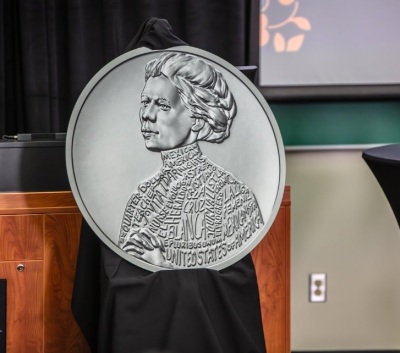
x: 37, y: 202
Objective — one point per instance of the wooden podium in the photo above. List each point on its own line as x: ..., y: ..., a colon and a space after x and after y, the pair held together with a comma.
x: 39, y: 239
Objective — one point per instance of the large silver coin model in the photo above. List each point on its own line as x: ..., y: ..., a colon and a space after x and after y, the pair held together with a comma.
x: 175, y: 159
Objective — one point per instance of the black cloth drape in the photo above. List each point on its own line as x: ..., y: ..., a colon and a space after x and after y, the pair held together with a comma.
x: 178, y: 311
x: 50, y: 49
x: 123, y: 308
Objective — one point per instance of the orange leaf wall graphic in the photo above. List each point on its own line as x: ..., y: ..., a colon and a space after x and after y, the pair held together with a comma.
x: 270, y: 29
x: 302, y: 23
x: 279, y: 42
x: 286, y: 2
x: 295, y: 43
x: 264, y: 34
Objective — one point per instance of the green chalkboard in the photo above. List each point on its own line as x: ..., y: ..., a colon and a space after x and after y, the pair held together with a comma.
x: 338, y: 123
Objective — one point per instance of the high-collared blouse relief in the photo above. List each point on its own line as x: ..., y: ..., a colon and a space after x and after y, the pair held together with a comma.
x: 199, y: 212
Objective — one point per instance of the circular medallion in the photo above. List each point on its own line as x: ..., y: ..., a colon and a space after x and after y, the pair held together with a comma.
x: 175, y: 159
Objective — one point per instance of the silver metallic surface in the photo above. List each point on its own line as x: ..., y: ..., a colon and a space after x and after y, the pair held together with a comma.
x: 181, y: 167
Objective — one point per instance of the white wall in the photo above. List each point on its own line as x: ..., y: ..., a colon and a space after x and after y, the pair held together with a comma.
x: 343, y: 225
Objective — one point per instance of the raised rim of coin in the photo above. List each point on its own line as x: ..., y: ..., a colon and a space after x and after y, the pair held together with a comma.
x: 276, y: 194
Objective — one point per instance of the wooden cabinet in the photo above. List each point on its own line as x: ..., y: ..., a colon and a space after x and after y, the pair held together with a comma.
x: 41, y: 232
x: 39, y: 237
x: 25, y: 306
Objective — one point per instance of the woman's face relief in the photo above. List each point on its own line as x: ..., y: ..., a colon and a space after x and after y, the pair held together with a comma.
x: 165, y: 122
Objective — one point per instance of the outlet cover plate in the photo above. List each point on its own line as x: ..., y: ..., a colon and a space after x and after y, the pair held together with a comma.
x: 317, y: 287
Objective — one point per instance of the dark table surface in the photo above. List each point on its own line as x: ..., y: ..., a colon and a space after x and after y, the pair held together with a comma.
x: 384, y: 162
x: 384, y: 154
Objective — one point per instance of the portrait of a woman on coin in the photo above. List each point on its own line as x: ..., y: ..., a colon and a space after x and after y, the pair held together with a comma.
x: 192, y: 213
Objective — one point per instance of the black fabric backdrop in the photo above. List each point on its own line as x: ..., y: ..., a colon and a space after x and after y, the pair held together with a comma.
x: 50, y: 49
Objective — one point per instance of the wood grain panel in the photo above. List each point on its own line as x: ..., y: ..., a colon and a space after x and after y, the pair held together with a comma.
x: 24, y: 306
x: 272, y: 262
x: 61, y: 333
x: 21, y: 237
x: 288, y: 266
x: 37, y: 202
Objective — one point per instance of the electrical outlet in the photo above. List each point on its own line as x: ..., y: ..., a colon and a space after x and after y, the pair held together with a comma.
x: 317, y: 288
